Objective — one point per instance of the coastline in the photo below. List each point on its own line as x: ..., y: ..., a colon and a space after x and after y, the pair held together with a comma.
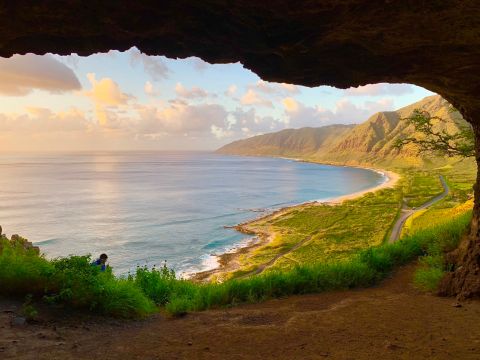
x: 230, y: 261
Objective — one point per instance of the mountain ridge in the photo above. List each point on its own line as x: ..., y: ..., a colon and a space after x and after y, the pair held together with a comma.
x: 369, y: 142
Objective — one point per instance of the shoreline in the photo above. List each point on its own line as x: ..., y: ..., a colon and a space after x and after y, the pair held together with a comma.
x: 229, y: 261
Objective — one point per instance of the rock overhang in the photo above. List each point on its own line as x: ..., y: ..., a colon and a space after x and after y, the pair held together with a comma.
x: 342, y: 43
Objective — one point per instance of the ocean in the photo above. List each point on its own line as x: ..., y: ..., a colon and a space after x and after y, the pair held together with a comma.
x: 142, y: 208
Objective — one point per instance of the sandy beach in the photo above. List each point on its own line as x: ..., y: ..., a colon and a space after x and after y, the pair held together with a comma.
x: 230, y: 262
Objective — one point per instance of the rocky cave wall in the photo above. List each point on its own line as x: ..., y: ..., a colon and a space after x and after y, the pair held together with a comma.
x: 342, y: 43
x: 431, y: 43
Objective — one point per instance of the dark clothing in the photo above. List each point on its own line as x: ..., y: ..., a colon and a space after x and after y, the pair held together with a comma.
x: 98, y: 262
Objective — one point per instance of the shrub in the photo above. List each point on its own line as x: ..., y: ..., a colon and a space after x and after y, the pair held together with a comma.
x: 22, y: 271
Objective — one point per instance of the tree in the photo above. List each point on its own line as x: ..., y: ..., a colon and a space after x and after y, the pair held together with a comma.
x: 461, y: 143
x: 463, y: 280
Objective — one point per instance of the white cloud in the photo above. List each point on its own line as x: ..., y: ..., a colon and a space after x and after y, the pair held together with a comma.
x: 219, y: 132
x: 276, y: 89
x: 345, y: 112
x: 153, y: 65
x: 150, y: 89
x: 38, y: 120
x: 21, y: 74
x: 231, y: 91
x: 180, y: 119
x: 380, y: 90
x: 199, y: 64
x: 248, y: 122
x: 252, y: 98
x: 194, y: 92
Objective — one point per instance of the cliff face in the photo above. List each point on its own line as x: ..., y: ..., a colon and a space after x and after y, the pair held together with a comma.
x: 371, y: 142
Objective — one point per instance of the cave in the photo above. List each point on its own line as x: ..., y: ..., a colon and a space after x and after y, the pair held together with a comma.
x: 342, y: 43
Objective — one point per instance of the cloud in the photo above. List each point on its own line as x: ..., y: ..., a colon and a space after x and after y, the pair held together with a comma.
x: 106, y: 96
x: 194, y: 92
x: 153, y: 65
x: 41, y: 120
x: 180, y: 119
x: 380, y: 90
x: 219, y: 132
x: 252, y: 98
x: 248, y: 123
x: 21, y: 74
x: 345, y: 112
x: 277, y: 89
x: 106, y: 91
x: 231, y: 91
x: 150, y: 89
x: 199, y: 64
x: 290, y: 104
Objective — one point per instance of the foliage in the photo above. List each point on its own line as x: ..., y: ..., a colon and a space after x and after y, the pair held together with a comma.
x: 22, y: 271
x: 365, y: 269
x: 74, y: 282
x: 421, y: 186
x: 461, y: 143
x: 315, y: 233
x: 71, y: 280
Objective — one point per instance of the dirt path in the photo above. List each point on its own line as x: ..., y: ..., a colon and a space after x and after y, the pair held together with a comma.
x: 406, y: 213
x: 391, y: 321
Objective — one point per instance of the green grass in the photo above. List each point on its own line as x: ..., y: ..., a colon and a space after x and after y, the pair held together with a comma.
x: 74, y: 282
x: 421, y: 186
x: 365, y: 269
x: 328, y: 233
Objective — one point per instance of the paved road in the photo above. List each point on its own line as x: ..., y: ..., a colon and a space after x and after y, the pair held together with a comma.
x: 406, y: 213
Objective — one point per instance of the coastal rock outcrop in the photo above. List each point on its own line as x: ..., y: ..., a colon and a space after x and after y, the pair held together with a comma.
x: 18, y: 242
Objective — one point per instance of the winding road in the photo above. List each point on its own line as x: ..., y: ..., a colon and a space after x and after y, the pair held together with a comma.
x: 394, y: 236
x: 406, y: 213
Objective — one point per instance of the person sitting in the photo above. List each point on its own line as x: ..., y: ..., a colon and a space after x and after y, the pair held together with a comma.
x: 101, y: 261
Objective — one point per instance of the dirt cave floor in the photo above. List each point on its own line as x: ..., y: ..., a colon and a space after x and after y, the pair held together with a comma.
x: 390, y: 321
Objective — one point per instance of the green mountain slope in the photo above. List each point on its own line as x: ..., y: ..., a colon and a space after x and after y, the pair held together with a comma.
x: 290, y: 142
x: 371, y: 142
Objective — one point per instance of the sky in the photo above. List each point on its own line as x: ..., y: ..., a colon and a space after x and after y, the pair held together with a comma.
x: 129, y: 101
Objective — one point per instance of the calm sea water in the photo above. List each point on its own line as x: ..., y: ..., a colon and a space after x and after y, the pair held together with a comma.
x: 149, y: 207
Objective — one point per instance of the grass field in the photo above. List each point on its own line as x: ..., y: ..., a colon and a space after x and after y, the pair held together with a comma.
x: 328, y: 233
x: 324, y: 233
x: 419, y: 187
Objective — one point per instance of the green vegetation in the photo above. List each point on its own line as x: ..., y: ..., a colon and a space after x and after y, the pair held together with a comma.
x: 434, y: 140
x: 74, y: 282
x: 433, y: 265
x: 366, y: 268
x: 421, y: 186
x: 324, y: 232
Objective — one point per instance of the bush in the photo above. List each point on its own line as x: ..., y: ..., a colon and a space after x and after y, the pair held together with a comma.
x: 22, y: 271
x: 84, y: 286
x: 71, y: 281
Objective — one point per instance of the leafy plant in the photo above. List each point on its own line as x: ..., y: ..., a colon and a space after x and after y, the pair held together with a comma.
x: 461, y: 143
